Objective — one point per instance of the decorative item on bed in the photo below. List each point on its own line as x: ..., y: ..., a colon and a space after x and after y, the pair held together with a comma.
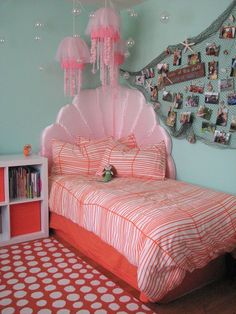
x: 160, y: 235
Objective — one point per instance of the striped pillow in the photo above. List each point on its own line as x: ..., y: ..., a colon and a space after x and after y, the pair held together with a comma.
x: 83, y: 159
x: 129, y: 140
x: 148, y: 163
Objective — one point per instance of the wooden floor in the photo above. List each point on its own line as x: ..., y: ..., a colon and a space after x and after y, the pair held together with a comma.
x: 216, y: 298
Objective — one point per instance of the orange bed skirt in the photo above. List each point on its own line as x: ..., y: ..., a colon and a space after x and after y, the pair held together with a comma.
x: 105, y: 255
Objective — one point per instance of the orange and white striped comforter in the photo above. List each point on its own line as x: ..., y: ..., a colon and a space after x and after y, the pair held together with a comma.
x: 165, y: 228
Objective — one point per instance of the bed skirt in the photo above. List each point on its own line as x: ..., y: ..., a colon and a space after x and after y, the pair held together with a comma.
x: 106, y: 256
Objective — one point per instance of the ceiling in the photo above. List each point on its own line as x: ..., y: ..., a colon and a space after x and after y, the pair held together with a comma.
x: 118, y: 4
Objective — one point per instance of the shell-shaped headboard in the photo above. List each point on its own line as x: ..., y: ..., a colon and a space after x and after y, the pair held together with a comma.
x: 101, y: 112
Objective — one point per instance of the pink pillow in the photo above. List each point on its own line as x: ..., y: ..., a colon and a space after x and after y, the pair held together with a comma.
x: 83, y: 159
x: 69, y: 159
x: 148, y: 163
x: 129, y: 140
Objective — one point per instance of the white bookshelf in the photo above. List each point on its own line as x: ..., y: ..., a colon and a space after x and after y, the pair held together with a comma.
x: 23, y: 218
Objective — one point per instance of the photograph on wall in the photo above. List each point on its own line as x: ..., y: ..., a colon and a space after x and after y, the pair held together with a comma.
x: 148, y: 73
x: 177, y: 57
x: 227, y: 32
x: 167, y: 96
x: 231, y: 99
x: 154, y: 93
x: 196, y: 89
x: 213, y: 70
x: 233, y: 124
x: 171, y: 117
x: 162, y: 68
x: 226, y: 84
x: 233, y: 68
x: 178, y: 100
x: 212, y: 50
x: 192, y: 101
x: 194, y: 58
x: 222, y: 116
x: 139, y: 80
x: 221, y: 137
x: 204, y: 112
x: 185, y: 117
x: 211, y: 98
x: 208, y: 127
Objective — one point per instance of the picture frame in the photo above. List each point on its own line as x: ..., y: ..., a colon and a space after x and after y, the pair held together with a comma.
x: 162, y: 68
x: 208, y: 127
x: 192, y: 101
x: 178, y: 100
x: 226, y: 84
x: 196, y: 89
x: 194, y: 58
x: 185, y: 117
x: 167, y: 96
x: 212, y: 50
x: 154, y: 92
x: 222, y: 116
x: 204, y: 112
x: 139, y: 80
x: 221, y: 137
x: 148, y: 73
x: 213, y: 70
x: 231, y: 99
x: 211, y: 98
x: 232, y: 127
x: 227, y: 32
x: 177, y: 57
x: 171, y: 118
x: 233, y: 68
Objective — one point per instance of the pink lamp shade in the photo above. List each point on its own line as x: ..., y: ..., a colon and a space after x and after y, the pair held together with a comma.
x: 104, y: 30
x: 73, y: 53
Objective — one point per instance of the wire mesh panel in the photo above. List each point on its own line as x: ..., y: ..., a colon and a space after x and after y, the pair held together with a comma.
x: 192, y: 84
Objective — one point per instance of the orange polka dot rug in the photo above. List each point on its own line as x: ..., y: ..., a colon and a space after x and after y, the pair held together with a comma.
x: 44, y: 277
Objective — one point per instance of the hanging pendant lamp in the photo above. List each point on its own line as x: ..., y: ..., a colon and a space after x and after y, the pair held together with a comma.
x: 73, y: 53
x: 104, y: 31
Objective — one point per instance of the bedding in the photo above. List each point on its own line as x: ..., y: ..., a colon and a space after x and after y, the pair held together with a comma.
x: 84, y: 156
x: 164, y: 228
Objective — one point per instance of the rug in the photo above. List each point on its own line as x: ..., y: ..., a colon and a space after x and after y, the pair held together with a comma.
x: 44, y: 276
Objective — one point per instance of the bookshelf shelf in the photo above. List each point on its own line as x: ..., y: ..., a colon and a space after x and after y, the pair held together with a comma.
x: 23, y: 198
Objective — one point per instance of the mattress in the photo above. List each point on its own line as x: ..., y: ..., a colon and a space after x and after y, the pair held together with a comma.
x: 164, y: 228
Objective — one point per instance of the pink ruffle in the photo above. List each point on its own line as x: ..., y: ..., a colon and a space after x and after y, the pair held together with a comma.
x: 72, y: 64
x: 104, y: 32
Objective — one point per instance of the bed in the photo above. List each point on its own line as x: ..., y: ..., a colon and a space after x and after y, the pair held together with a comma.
x: 162, y: 236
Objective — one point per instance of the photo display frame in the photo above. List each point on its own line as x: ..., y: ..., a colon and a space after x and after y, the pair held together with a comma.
x: 193, y: 89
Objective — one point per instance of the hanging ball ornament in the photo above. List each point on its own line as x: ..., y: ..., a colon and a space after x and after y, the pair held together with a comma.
x: 38, y: 24
x: 76, y: 11
x: 130, y: 43
x: 2, y: 40
x: 164, y: 17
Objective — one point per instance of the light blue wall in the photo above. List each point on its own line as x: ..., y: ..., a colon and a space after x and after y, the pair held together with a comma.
x: 195, y: 163
x: 30, y: 99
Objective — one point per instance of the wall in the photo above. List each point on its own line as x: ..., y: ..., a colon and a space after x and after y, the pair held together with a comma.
x: 30, y: 98
x: 195, y: 163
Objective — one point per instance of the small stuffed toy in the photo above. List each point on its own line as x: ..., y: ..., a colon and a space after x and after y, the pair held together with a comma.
x: 108, y: 173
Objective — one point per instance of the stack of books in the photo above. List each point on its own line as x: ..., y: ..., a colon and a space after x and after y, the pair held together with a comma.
x: 24, y: 182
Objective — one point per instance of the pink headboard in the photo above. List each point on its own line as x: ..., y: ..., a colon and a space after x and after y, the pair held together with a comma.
x: 97, y: 113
